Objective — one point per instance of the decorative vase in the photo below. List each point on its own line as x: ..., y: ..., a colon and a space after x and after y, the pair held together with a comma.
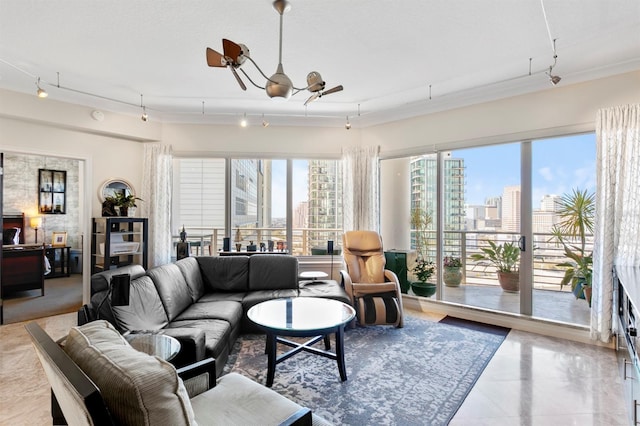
x: 131, y: 212
x: 238, y: 247
x: 420, y: 288
x: 509, y: 281
x: 452, y: 276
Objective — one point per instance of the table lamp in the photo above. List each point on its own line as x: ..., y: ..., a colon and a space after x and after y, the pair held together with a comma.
x: 36, y: 222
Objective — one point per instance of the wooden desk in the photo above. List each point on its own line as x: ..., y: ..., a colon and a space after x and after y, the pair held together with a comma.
x: 22, y: 269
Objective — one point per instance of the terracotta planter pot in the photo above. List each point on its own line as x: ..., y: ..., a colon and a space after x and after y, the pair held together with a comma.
x: 587, y: 294
x: 509, y: 281
x: 452, y: 276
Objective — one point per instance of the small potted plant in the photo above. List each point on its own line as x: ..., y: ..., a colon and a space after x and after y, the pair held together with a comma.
x: 452, y: 274
x: 423, y: 270
x: 125, y: 205
x: 505, y: 257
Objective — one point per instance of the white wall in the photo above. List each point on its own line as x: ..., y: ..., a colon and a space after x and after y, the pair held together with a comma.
x: 556, y: 111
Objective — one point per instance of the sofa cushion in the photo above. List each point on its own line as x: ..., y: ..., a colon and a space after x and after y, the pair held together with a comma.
x: 273, y: 271
x: 260, y: 405
x: 172, y: 288
x: 145, y: 310
x: 214, y: 297
x: 225, y: 310
x: 225, y: 273
x: 216, y: 333
x: 328, y: 289
x: 191, y: 273
x: 137, y: 388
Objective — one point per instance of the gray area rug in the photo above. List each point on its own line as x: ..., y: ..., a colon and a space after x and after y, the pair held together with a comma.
x: 416, y: 375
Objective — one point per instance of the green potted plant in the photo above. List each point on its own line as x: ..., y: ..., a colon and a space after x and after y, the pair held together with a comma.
x: 124, y: 204
x: 420, y: 221
x: 452, y: 273
x: 577, y: 215
x: 505, y: 258
x: 423, y: 270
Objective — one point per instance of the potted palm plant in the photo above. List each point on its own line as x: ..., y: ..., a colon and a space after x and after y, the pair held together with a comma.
x: 505, y: 258
x: 452, y: 273
x: 577, y: 213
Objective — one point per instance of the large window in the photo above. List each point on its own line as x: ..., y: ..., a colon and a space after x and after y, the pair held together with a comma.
x: 292, y: 204
x: 503, y: 195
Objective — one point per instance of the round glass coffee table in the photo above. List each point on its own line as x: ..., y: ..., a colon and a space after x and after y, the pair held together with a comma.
x: 302, y: 317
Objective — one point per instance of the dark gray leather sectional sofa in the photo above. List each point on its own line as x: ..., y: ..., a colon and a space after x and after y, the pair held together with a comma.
x: 203, y: 301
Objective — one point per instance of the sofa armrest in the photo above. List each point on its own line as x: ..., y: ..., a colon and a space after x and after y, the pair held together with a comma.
x: 192, y: 344
x: 199, y: 376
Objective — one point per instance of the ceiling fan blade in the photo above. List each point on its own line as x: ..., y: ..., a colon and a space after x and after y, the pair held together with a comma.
x: 231, y: 50
x: 215, y: 59
x: 312, y: 98
x: 240, y: 82
x: 332, y: 90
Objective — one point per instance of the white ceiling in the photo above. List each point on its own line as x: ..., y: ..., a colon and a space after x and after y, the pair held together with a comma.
x: 385, y: 53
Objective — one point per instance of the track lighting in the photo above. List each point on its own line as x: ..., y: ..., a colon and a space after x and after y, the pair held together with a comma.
x: 265, y: 123
x: 144, y: 117
x: 243, y: 122
x: 554, y: 78
x: 347, y: 125
x: 41, y: 92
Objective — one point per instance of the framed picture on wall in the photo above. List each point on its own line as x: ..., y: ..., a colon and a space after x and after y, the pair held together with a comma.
x: 58, y: 239
x: 52, y: 185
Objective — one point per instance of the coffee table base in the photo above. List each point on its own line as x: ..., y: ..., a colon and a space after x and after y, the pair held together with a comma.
x: 274, y: 359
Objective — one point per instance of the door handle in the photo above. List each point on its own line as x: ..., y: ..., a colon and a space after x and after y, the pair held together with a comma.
x: 522, y: 243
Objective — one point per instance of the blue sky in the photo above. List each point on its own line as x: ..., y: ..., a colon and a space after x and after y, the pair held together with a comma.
x: 558, y: 165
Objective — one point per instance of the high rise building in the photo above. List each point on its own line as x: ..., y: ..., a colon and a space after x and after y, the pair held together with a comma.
x: 424, y: 196
x: 511, y: 208
x: 325, y: 201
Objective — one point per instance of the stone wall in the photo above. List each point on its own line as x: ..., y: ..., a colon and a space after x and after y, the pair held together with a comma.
x: 21, y: 196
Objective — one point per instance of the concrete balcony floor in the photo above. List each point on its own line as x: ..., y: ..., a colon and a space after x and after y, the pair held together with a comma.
x: 561, y: 306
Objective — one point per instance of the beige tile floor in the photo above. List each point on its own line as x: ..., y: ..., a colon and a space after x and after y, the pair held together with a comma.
x: 531, y: 380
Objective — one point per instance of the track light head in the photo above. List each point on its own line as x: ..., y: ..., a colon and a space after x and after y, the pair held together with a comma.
x: 347, y: 125
x: 40, y: 92
x: 554, y: 79
x: 265, y: 123
x: 145, y: 116
x: 243, y: 122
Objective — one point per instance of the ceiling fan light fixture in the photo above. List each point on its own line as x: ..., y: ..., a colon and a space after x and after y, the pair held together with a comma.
x: 279, y: 85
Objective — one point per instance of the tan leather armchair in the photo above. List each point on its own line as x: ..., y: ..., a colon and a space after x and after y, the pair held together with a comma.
x: 374, y: 291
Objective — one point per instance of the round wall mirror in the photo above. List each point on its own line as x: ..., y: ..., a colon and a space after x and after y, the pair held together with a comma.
x: 113, y: 186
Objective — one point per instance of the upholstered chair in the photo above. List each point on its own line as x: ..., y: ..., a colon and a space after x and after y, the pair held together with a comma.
x: 374, y: 291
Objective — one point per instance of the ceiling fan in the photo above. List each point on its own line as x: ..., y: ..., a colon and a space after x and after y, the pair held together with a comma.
x: 279, y: 85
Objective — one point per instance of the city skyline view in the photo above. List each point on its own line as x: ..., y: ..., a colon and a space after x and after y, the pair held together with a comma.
x: 558, y: 165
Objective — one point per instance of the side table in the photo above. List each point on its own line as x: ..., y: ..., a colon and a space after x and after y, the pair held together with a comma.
x: 160, y: 345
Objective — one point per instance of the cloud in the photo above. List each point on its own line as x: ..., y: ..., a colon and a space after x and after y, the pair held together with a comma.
x: 546, y: 173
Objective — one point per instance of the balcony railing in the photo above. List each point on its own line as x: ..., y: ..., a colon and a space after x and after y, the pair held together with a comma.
x: 208, y: 240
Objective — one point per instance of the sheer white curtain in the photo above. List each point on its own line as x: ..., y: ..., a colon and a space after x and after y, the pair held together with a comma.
x: 617, y: 224
x: 156, y: 193
x: 361, y: 204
